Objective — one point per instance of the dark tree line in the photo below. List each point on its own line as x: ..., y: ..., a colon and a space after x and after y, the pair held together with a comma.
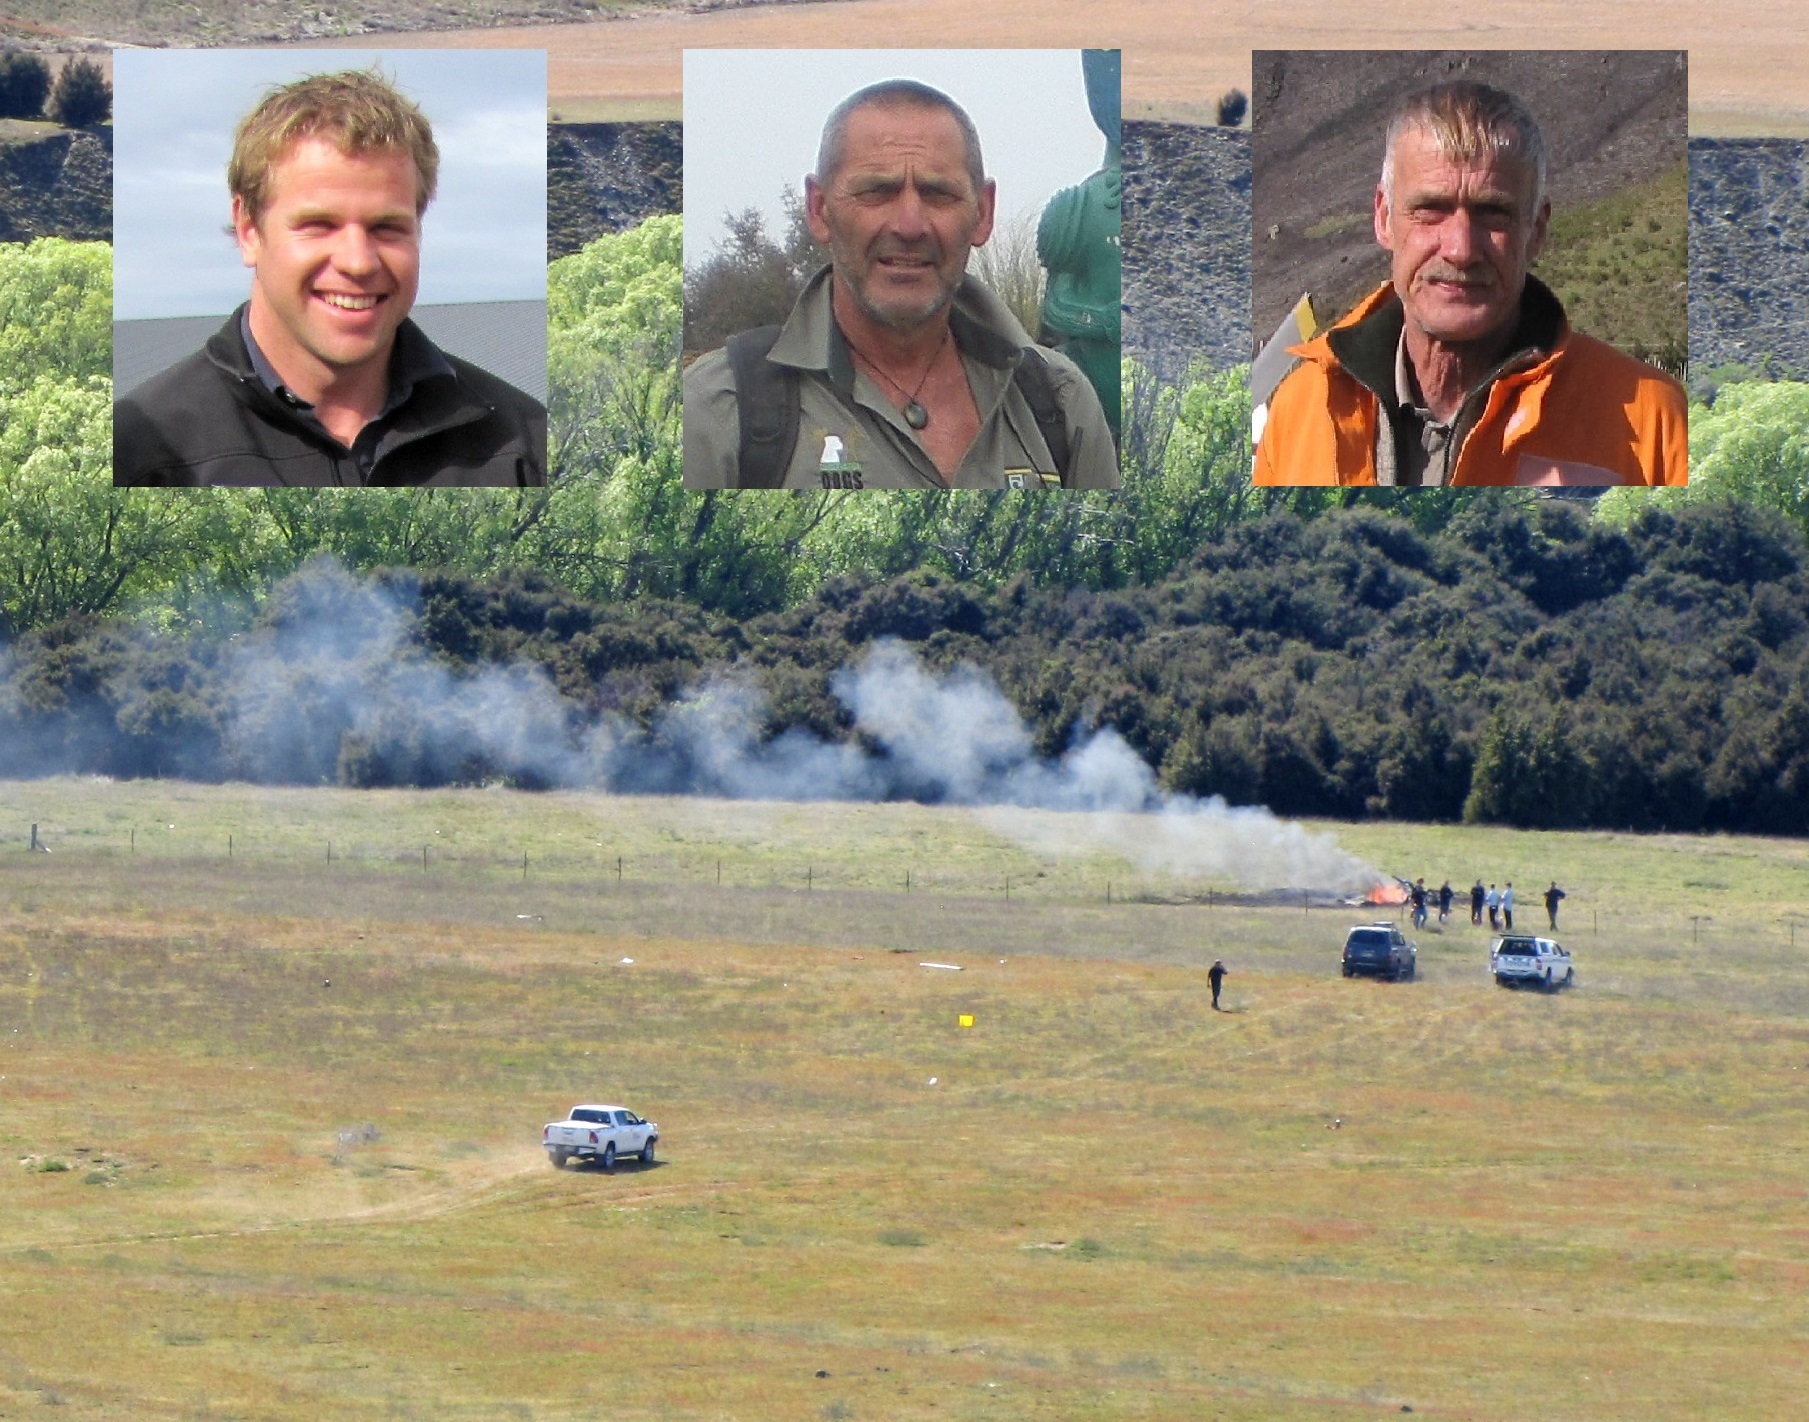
x: 80, y: 95
x: 1521, y: 664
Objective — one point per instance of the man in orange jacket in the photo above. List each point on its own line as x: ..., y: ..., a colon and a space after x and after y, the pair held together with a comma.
x: 1462, y: 369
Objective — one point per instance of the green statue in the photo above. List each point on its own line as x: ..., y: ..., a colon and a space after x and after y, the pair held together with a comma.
x: 1078, y: 242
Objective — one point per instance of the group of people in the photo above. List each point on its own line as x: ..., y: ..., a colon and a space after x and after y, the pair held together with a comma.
x: 896, y: 368
x: 1498, y: 903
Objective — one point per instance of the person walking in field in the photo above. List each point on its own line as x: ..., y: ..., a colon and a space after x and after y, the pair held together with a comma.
x: 1417, y: 894
x: 1494, y: 903
x: 1477, y: 894
x: 1444, y: 902
x: 1553, y: 896
x: 1216, y: 976
x: 1507, y: 906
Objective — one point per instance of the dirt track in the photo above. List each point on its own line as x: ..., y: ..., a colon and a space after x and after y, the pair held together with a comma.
x: 1749, y: 68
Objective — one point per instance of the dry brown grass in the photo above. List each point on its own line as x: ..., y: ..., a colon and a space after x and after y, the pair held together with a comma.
x: 1333, y: 1199
x: 1749, y: 62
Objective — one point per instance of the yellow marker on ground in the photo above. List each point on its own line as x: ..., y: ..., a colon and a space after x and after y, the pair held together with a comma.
x: 966, y: 1019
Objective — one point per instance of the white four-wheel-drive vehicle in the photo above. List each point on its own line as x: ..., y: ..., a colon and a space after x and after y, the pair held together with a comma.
x: 600, y: 1133
x: 1515, y: 959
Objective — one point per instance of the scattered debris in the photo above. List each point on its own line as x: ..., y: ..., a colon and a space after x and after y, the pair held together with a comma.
x: 351, y: 1137
x: 946, y: 967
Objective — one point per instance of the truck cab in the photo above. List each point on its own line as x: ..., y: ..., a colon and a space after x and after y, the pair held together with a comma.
x: 1519, y: 959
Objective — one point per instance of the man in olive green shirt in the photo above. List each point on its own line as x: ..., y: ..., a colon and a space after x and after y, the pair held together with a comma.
x: 905, y: 372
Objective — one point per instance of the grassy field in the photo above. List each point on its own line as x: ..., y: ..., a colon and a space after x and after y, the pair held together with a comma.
x: 1335, y: 1199
x: 1617, y: 265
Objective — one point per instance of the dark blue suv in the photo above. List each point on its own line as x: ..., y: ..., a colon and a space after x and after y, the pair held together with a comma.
x: 1381, y: 950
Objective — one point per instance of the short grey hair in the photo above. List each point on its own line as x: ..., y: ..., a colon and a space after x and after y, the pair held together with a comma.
x: 895, y: 93
x: 1468, y: 121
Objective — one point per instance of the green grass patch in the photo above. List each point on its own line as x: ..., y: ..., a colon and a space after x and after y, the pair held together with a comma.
x: 1337, y: 223
x: 1621, y: 267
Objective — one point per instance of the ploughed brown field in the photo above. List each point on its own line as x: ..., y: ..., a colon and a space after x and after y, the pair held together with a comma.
x: 1749, y: 61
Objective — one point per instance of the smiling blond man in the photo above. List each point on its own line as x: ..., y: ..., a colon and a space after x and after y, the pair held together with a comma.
x: 1462, y: 368
x: 321, y: 378
x: 896, y: 369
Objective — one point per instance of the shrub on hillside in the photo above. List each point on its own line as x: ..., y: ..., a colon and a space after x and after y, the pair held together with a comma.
x: 81, y: 95
x: 24, y: 85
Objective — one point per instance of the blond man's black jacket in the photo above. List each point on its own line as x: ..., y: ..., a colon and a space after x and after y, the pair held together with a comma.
x: 210, y: 420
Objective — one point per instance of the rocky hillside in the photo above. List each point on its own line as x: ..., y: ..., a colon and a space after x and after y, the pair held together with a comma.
x: 1749, y: 255
x: 55, y: 182
x: 1186, y: 243
x: 604, y: 177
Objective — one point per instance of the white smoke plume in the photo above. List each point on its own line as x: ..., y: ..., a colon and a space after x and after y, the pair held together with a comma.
x: 335, y: 690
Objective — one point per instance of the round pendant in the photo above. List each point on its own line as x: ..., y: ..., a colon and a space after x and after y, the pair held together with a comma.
x: 915, y: 415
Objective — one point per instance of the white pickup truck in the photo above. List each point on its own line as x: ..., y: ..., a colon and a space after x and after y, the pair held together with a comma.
x: 1518, y: 959
x: 600, y: 1133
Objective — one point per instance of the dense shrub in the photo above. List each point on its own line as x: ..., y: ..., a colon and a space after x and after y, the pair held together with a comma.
x: 24, y: 85
x: 81, y: 95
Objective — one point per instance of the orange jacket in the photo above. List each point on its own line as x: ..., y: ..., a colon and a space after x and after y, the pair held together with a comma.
x: 1581, y: 414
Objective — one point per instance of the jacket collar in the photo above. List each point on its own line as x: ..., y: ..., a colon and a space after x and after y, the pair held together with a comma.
x: 436, y: 401
x: 1365, y: 340
x: 412, y: 360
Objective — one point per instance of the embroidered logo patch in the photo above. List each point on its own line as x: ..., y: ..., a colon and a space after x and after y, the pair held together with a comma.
x: 834, y: 469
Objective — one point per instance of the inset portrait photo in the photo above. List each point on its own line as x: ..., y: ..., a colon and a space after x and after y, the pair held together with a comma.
x: 902, y: 269
x: 1470, y: 268
x: 329, y: 268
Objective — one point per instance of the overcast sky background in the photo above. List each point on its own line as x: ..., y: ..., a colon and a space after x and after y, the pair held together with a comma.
x: 483, y: 238
x: 753, y: 119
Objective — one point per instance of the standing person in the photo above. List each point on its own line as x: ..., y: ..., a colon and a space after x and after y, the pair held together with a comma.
x: 1463, y: 368
x: 1477, y: 894
x: 1418, y: 895
x: 1553, y: 896
x: 1507, y: 906
x: 1494, y: 903
x: 1444, y: 902
x: 1216, y: 976
x: 896, y: 369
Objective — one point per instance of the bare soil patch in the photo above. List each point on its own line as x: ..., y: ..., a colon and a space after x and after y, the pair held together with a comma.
x: 1749, y: 65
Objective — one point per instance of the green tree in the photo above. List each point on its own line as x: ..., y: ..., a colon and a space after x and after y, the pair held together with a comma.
x: 1752, y: 445
x: 24, y: 83
x: 750, y: 279
x: 80, y: 96
x: 56, y: 311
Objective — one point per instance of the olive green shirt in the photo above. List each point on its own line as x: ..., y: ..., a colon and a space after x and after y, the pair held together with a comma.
x: 851, y: 437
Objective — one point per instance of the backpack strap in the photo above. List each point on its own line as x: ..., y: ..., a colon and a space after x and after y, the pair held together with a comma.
x: 1037, y: 386
x: 766, y: 406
